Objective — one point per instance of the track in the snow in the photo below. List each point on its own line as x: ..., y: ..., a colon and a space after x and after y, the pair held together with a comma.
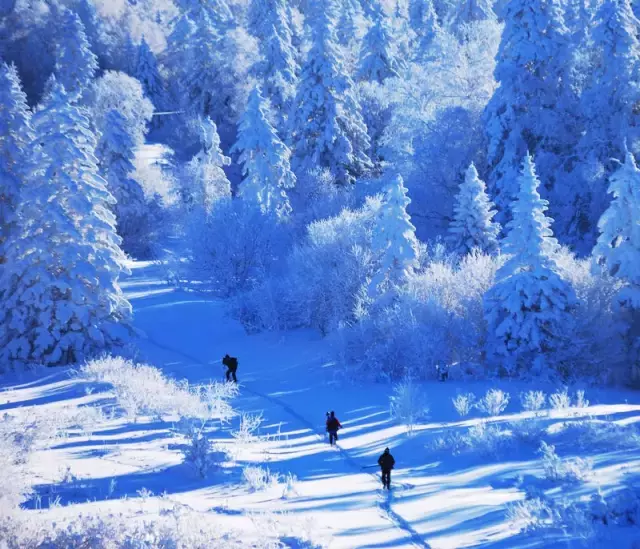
x: 384, y: 505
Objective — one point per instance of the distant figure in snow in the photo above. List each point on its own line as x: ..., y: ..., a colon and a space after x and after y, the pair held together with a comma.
x: 386, y: 463
x: 332, y: 428
x: 326, y: 421
x: 231, y: 363
x: 443, y: 372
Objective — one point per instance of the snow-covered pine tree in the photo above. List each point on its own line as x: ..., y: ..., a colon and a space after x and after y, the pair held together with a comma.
x: 16, y: 136
x: 331, y: 133
x: 278, y: 68
x: 216, y: 10
x: 61, y: 302
x: 265, y: 160
x: 470, y: 11
x: 610, y: 104
x: 115, y: 152
x: 148, y: 74
x: 618, y: 249
x: 76, y: 64
x: 472, y: 226
x: 394, y: 242
x: 378, y: 60
x: 528, y: 310
x: 347, y: 22
x: 205, y: 182
x: 430, y: 34
x: 528, y: 109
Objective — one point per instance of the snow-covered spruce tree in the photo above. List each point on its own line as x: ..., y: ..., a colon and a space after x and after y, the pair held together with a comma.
x: 61, y: 302
x: 618, y: 250
x: 610, y: 104
x: 205, y: 182
x: 15, y: 138
x: 76, y: 64
x: 216, y: 10
x: 429, y: 37
x: 528, y: 111
x: 331, y: 133
x: 472, y: 226
x: 528, y: 310
x: 470, y: 11
x: 265, y: 160
x: 115, y: 152
x: 378, y: 60
x: 394, y: 242
x: 147, y: 73
x: 347, y: 22
x: 278, y: 69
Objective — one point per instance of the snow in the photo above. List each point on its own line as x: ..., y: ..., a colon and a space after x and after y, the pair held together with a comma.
x: 439, y: 500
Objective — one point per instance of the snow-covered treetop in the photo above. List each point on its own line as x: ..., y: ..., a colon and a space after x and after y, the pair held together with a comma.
x: 378, y: 61
x: 394, y: 238
x: 265, y: 160
x: 618, y: 247
x: 472, y: 226
x: 529, y: 240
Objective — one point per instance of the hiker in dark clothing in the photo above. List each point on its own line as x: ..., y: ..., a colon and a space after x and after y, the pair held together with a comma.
x: 332, y: 428
x: 231, y: 363
x: 386, y: 463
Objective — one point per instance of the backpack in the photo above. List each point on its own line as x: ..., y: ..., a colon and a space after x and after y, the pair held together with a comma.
x: 232, y: 363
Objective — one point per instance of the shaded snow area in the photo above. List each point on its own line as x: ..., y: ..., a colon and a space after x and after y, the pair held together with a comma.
x: 166, y: 456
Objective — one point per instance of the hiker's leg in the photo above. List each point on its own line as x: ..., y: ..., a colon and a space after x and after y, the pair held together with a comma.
x: 234, y: 376
x: 228, y: 375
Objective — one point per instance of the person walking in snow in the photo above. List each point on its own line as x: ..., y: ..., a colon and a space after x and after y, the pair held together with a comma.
x: 332, y: 428
x: 231, y: 363
x: 386, y: 463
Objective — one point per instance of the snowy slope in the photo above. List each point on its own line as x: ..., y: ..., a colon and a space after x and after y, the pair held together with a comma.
x: 439, y: 499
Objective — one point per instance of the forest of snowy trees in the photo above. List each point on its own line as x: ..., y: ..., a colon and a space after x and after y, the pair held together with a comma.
x: 425, y: 182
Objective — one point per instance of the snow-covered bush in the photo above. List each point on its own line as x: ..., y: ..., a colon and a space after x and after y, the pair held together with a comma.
x: 259, y: 478
x: 580, y: 400
x: 563, y: 470
x: 289, y: 490
x: 482, y: 438
x: 464, y: 403
x: 494, y: 402
x: 247, y: 431
x: 198, y: 451
x: 533, y: 401
x: 560, y: 400
x: 590, y: 434
x: 408, y: 404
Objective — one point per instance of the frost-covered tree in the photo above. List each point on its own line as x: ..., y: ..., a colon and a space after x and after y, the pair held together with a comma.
x: 529, y: 109
x: 216, y: 10
x: 378, y: 60
x: 205, y: 182
x: 470, y: 11
x: 472, y: 226
x: 61, y: 302
x: 115, y: 152
x: 394, y: 241
x: 148, y: 75
x: 76, y: 64
x: 265, y: 160
x: 347, y: 22
x: 528, y: 310
x: 618, y: 249
x: 429, y: 35
x: 610, y: 104
x: 326, y: 124
x: 278, y: 69
x: 15, y: 139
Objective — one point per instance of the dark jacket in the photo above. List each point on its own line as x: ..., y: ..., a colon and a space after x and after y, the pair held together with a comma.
x: 386, y: 462
x: 333, y: 424
x: 230, y: 362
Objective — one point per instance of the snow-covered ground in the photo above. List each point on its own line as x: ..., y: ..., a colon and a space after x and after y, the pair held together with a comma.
x: 455, y: 478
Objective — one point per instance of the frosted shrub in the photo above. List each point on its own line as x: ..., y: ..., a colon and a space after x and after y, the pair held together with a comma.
x: 560, y: 400
x: 248, y: 428
x: 198, y: 452
x: 494, y: 402
x: 581, y: 401
x: 531, y: 515
x: 407, y: 404
x: 289, y: 489
x: 259, y: 478
x: 533, y: 401
x: 564, y: 470
x: 464, y: 403
x: 483, y: 438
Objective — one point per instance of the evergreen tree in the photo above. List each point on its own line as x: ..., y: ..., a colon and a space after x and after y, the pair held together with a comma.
x: 76, y: 64
x: 429, y: 35
x: 378, y: 61
x: 529, y: 308
x: 612, y: 117
x: 217, y: 11
x: 148, y: 74
x: 15, y: 137
x: 347, y: 23
x: 394, y: 241
x: 265, y: 159
x: 528, y: 111
x: 115, y: 152
x: 278, y: 69
x: 470, y: 11
x: 472, y: 226
x: 328, y: 133
x: 61, y: 302
x: 205, y: 182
